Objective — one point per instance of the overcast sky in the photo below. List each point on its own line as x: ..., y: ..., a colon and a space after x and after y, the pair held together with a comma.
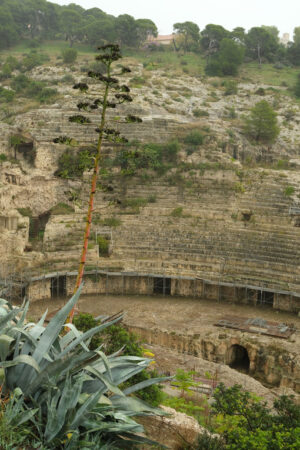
x: 285, y: 14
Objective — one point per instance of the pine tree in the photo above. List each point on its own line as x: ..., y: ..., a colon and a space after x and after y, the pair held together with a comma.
x: 261, y: 126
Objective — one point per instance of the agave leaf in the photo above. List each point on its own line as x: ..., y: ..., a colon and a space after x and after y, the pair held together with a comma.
x: 66, y: 402
x: 17, y: 349
x: 32, y: 342
x: 144, y: 384
x: 122, y: 373
x: 103, y: 400
x: 47, y: 340
x: 111, y: 427
x: 5, y: 343
x: 135, y: 406
x: 23, y: 316
x: 136, y: 439
x: 59, y: 368
x: 76, y: 334
x: 127, y: 358
x: 76, y: 392
x: 5, y: 320
x: 24, y: 417
x: 42, y: 319
x: 54, y: 327
x: 52, y: 426
x: 3, y: 302
x: 101, y: 377
x: 87, y: 335
x: 87, y: 406
x: 21, y: 359
x: 106, y: 364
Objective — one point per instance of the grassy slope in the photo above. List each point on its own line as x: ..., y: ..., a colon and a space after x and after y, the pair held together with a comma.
x: 190, y: 63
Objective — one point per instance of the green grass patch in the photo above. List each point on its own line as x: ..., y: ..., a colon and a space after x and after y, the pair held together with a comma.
x: 193, y: 64
x: 26, y: 212
x: 177, y: 212
x: 269, y: 75
x: 61, y: 209
x: 289, y: 190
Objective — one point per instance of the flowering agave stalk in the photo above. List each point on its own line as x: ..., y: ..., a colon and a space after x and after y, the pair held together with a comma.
x: 114, y: 94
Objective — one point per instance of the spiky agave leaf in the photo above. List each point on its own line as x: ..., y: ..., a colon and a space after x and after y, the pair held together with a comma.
x: 71, y: 389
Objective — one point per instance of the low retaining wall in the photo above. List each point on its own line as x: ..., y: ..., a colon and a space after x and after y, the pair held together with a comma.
x: 126, y: 283
x: 268, y: 363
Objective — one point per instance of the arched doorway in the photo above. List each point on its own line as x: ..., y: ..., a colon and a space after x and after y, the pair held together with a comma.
x: 238, y: 358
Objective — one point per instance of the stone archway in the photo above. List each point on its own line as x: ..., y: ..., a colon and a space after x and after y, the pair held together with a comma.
x: 238, y: 358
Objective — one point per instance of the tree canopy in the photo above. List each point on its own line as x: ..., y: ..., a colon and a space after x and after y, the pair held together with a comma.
x: 40, y: 19
x: 37, y: 20
x: 261, y: 43
x: 261, y: 126
x: 227, y: 60
x: 189, y: 35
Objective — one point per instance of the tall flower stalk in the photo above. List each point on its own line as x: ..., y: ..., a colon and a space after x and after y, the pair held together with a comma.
x: 108, y: 55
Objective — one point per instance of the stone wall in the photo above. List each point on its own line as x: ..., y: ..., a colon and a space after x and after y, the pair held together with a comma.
x: 139, y: 284
x: 269, y: 363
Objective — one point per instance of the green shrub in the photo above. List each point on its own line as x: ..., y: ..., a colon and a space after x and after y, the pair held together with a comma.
x: 227, y: 60
x: 20, y: 83
x: 207, y: 442
x: 135, y: 204
x: 290, y: 114
x: 230, y: 112
x: 289, y: 190
x: 231, y: 87
x: 72, y: 163
x: 282, y: 164
x: 170, y: 150
x: 3, y: 157
x: 13, y: 62
x: 134, y: 157
x: 152, y: 198
x: 84, y: 322
x: 6, y: 95
x: 61, y: 209
x: 68, y: 78
x: 194, y: 137
x: 33, y: 59
x: 177, y: 212
x: 297, y: 87
x: 200, y: 113
x: 111, y: 222
x: 260, y: 91
x: 26, y: 212
x: 182, y: 404
x: 46, y: 94
x: 247, y: 422
x: 69, y: 55
x: 262, y: 125
x: 103, y: 245
x: 239, y: 188
x: 33, y: 43
x: 6, y: 71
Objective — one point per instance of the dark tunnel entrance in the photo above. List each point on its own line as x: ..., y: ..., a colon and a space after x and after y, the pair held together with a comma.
x: 238, y: 358
x: 162, y: 286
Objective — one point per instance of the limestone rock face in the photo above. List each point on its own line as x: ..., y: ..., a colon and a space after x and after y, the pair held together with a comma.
x: 176, y: 431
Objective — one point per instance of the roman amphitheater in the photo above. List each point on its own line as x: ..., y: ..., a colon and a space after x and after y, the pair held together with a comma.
x: 205, y: 261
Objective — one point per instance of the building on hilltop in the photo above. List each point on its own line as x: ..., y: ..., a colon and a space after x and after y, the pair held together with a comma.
x: 166, y: 39
x: 285, y: 39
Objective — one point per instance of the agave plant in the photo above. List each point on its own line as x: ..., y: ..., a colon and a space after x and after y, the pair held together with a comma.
x: 74, y: 391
